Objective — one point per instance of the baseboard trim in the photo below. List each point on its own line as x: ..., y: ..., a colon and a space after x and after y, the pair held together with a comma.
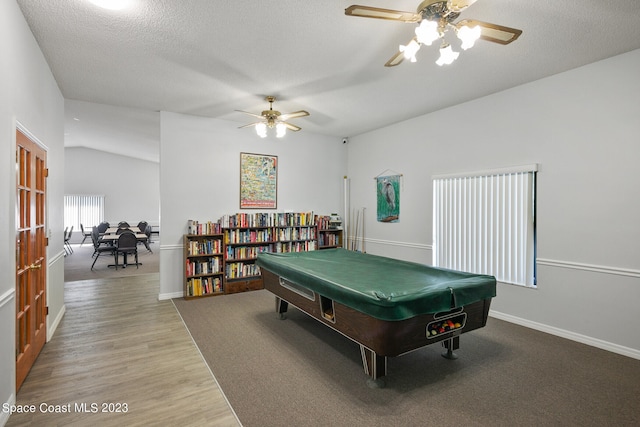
x: 52, y: 326
x: 589, y: 267
x: 4, y: 416
x: 170, y: 295
x: 593, y: 342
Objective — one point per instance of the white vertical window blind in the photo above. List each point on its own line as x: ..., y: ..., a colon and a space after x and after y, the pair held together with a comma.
x: 484, y: 223
x: 87, y: 210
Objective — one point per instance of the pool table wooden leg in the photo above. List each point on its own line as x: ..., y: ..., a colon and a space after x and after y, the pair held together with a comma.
x: 375, y: 366
x: 281, y: 308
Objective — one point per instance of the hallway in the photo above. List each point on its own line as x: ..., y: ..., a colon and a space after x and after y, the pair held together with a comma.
x: 120, y: 350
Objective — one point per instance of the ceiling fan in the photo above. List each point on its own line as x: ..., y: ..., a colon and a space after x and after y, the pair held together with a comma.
x: 434, y: 18
x: 272, y: 118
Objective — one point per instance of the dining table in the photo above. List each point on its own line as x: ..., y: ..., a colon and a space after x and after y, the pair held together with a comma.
x: 113, y: 237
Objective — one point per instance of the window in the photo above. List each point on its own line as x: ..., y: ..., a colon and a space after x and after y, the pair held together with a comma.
x: 85, y: 210
x: 484, y: 223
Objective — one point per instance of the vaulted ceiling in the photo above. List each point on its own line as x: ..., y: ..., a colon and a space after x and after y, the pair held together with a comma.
x: 210, y: 58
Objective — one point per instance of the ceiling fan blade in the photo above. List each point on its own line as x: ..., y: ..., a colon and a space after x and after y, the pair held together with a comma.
x: 458, y: 6
x: 251, y: 114
x: 293, y: 115
x: 250, y: 124
x: 492, y: 32
x: 398, y: 57
x: 376, y: 12
x: 395, y: 60
x: 291, y: 127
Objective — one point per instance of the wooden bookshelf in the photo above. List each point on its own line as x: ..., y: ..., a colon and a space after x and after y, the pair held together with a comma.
x: 242, y: 246
x: 220, y: 258
x: 328, y: 236
x: 248, y: 234
x: 203, y: 260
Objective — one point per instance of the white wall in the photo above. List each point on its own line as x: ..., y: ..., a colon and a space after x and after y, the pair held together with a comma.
x: 200, y: 178
x: 131, y: 186
x: 582, y: 128
x: 31, y: 97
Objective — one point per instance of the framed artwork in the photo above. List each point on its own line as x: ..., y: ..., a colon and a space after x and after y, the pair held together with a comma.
x: 258, y: 181
x: 388, y: 198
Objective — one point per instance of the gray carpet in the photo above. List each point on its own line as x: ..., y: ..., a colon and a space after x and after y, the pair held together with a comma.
x: 77, y: 266
x: 299, y: 372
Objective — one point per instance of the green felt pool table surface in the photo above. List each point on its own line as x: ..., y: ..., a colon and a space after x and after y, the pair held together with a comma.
x: 385, y: 288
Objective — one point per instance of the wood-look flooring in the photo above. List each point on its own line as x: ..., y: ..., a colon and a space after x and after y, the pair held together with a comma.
x: 117, y: 344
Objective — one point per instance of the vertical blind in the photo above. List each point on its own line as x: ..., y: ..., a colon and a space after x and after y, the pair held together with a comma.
x: 87, y: 210
x: 485, y: 223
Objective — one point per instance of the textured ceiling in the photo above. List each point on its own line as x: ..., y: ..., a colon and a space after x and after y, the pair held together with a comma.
x: 209, y: 58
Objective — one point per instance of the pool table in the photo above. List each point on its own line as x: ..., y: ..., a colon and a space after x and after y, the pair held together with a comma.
x: 387, y: 306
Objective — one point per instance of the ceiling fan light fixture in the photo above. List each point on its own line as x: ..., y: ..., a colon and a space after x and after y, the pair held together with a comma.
x: 427, y: 32
x: 271, y: 118
x: 434, y: 18
x: 410, y: 50
x: 447, y: 55
x: 261, y: 130
x: 469, y: 35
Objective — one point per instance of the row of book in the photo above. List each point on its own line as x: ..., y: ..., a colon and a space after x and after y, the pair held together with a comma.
x: 296, y: 233
x: 259, y: 219
x: 236, y: 270
x: 195, y: 227
x: 323, y: 222
x: 267, y: 219
x: 248, y: 236
x: 210, y: 266
x: 200, y: 286
x: 205, y: 247
x: 245, y: 252
x: 265, y: 235
x: 251, y: 252
x: 329, y: 239
x: 301, y: 246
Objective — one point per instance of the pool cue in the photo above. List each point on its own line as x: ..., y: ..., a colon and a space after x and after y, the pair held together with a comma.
x: 363, y: 249
x: 350, y: 234
x: 355, y: 240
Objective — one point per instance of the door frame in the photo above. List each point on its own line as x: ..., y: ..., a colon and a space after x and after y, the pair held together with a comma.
x: 19, y: 128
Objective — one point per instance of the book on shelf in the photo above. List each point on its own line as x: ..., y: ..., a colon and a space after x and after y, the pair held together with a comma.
x: 238, y: 270
x: 205, y: 247
x: 197, y: 228
x: 199, y: 286
x: 210, y: 266
x: 267, y: 219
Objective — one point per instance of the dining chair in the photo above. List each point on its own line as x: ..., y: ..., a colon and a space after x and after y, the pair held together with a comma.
x: 147, y: 241
x: 123, y: 224
x: 127, y: 244
x: 64, y: 241
x: 98, y: 248
x: 96, y: 238
x: 142, y: 225
x: 102, y: 227
x: 85, y: 234
x: 67, y: 240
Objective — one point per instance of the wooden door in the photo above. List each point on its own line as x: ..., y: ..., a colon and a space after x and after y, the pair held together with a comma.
x: 31, y: 241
